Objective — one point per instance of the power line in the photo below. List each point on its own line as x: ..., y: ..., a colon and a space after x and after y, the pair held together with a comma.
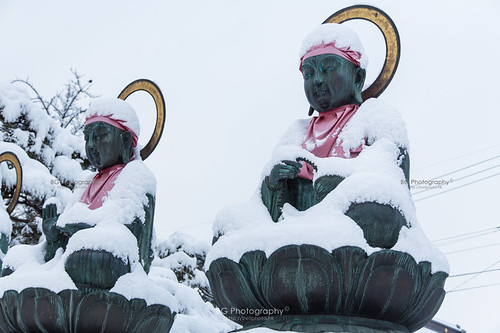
x: 466, y: 238
x: 456, y: 188
x: 474, y: 276
x: 468, y: 234
x: 477, y: 287
x: 472, y: 248
x: 455, y: 180
x: 466, y: 167
x: 457, y: 157
x: 472, y: 273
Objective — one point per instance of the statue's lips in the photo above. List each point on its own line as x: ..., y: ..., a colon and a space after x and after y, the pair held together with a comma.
x: 322, y: 98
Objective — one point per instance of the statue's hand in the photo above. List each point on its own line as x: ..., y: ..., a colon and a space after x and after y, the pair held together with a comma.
x: 325, y: 184
x: 288, y: 170
x: 49, y: 220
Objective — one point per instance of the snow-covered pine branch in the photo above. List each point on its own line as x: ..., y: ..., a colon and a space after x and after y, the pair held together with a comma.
x: 46, y: 134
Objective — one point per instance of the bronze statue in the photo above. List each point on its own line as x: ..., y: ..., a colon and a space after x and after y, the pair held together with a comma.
x: 110, y: 145
x: 103, y: 233
x: 331, y: 242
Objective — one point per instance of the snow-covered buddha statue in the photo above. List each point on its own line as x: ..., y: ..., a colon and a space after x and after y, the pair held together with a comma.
x: 90, y: 271
x: 330, y: 241
x: 111, y: 222
x: 332, y: 62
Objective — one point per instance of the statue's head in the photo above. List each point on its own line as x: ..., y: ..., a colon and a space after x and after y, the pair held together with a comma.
x: 333, y: 66
x: 111, y: 132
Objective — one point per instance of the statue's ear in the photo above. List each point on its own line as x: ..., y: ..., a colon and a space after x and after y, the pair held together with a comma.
x: 127, y: 146
x: 359, y: 80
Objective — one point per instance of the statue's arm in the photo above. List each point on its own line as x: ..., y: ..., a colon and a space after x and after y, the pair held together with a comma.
x: 143, y: 232
x: 404, y: 157
x: 273, y: 197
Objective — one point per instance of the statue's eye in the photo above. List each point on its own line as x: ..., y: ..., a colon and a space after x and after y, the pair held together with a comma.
x: 307, y: 71
x: 329, y: 65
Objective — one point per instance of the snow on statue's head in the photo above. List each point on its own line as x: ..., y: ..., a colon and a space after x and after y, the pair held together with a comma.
x: 337, y: 39
x: 111, y: 133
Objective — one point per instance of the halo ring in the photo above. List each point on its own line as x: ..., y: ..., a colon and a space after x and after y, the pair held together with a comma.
x: 12, y: 158
x: 155, y: 92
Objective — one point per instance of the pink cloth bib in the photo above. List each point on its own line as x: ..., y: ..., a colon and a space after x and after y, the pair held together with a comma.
x: 322, y: 133
x: 100, y: 186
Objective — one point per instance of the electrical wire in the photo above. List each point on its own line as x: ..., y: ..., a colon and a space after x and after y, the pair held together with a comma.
x: 451, y: 242
x: 474, y: 276
x: 455, y: 180
x: 472, y: 273
x: 489, y: 230
x: 456, y: 188
x: 477, y: 287
x: 466, y: 167
x: 472, y: 248
x: 457, y: 157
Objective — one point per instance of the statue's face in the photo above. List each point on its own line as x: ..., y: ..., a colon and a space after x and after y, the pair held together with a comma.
x: 103, y: 144
x: 331, y: 81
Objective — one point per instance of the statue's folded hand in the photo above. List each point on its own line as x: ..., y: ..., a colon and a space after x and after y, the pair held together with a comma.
x: 284, y: 170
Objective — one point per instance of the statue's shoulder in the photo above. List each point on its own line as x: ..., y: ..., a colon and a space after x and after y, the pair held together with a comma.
x: 295, y: 133
x: 373, y: 121
x: 136, y: 174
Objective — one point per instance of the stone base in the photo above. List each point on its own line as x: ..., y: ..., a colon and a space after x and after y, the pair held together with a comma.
x: 325, y: 323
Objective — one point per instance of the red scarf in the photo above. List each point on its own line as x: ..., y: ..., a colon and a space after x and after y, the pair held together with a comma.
x: 322, y: 134
x: 100, y: 186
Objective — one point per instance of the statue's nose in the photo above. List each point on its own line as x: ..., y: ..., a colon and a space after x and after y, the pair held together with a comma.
x: 319, y: 80
x: 90, y: 144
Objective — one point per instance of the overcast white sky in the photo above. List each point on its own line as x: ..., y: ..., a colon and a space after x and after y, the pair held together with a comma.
x: 229, y: 73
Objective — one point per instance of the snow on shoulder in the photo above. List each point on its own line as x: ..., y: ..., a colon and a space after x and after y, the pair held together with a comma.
x: 374, y: 175
x: 124, y: 202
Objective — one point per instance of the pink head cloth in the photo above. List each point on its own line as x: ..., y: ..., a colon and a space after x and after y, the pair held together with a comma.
x: 118, y: 123
x: 344, y: 52
x: 322, y: 134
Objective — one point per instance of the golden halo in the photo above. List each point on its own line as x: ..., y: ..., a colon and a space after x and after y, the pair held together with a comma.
x: 11, y: 157
x: 391, y: 37
x: 155, y: 92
